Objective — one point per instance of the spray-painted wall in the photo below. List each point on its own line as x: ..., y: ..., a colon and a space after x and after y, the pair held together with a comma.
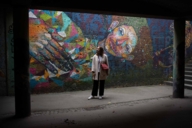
x: 62, y: 44
x: 3, y: 88
x: 188, y: 41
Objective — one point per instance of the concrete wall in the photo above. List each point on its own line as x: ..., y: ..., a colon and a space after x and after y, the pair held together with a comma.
x: 62, y: 44
x: 3, y: 88
x: 6, y: 52
x: 10, y: 50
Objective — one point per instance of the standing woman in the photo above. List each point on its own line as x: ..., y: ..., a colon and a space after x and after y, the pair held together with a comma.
x: 99, y: 74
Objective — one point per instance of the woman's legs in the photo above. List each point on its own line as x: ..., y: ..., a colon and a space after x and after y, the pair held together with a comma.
x: 95, y: 88
x: 101, y: 87
x: 96, y: 84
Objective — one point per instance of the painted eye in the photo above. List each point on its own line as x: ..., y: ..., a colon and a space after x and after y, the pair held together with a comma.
x: 121, y: 31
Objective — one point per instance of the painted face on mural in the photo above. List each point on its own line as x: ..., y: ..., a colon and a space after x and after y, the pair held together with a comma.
x: 121, y: 40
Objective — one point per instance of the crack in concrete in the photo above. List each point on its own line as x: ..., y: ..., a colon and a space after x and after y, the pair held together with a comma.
x: 91, y: 108
x: 99, y: 107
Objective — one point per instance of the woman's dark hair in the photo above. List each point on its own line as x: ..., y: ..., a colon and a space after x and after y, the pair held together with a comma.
x: 101, y: 51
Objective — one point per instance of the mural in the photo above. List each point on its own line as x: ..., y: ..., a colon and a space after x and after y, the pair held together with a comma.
x: 62, y: 44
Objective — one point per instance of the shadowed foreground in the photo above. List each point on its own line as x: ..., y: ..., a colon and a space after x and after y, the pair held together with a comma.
x: 131, y: 107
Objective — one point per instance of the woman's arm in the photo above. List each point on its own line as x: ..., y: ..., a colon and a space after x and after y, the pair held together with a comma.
x: 93, y: 65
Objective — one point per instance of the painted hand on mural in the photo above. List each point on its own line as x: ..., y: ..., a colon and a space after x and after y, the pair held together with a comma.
x: 58, y: 44
x: 44, y: 47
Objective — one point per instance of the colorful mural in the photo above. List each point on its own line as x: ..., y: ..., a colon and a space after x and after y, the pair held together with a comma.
x: 62, y: 44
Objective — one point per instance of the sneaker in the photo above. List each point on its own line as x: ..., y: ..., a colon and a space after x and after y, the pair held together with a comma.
x: 100, y: 97
x: 90, y: 97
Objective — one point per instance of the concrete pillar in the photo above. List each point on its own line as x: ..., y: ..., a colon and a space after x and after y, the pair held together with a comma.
x: 21, y: 61
x: 179, y: 58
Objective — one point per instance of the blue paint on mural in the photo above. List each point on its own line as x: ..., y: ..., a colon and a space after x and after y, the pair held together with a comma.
x: 58, y: 82
x: 33, y: 83
x: 92, y: 25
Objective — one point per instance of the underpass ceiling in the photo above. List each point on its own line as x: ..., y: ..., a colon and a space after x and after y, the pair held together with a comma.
x: 166, y: 9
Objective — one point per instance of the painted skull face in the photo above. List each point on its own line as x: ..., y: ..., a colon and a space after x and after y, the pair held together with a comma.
x: 121, y: 40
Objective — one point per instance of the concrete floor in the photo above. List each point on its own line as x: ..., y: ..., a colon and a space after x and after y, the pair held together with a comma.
x: 128, y: 107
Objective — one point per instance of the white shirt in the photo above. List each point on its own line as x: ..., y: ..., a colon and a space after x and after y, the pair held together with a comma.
x: 96, y: 61
x: 100, y: 60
